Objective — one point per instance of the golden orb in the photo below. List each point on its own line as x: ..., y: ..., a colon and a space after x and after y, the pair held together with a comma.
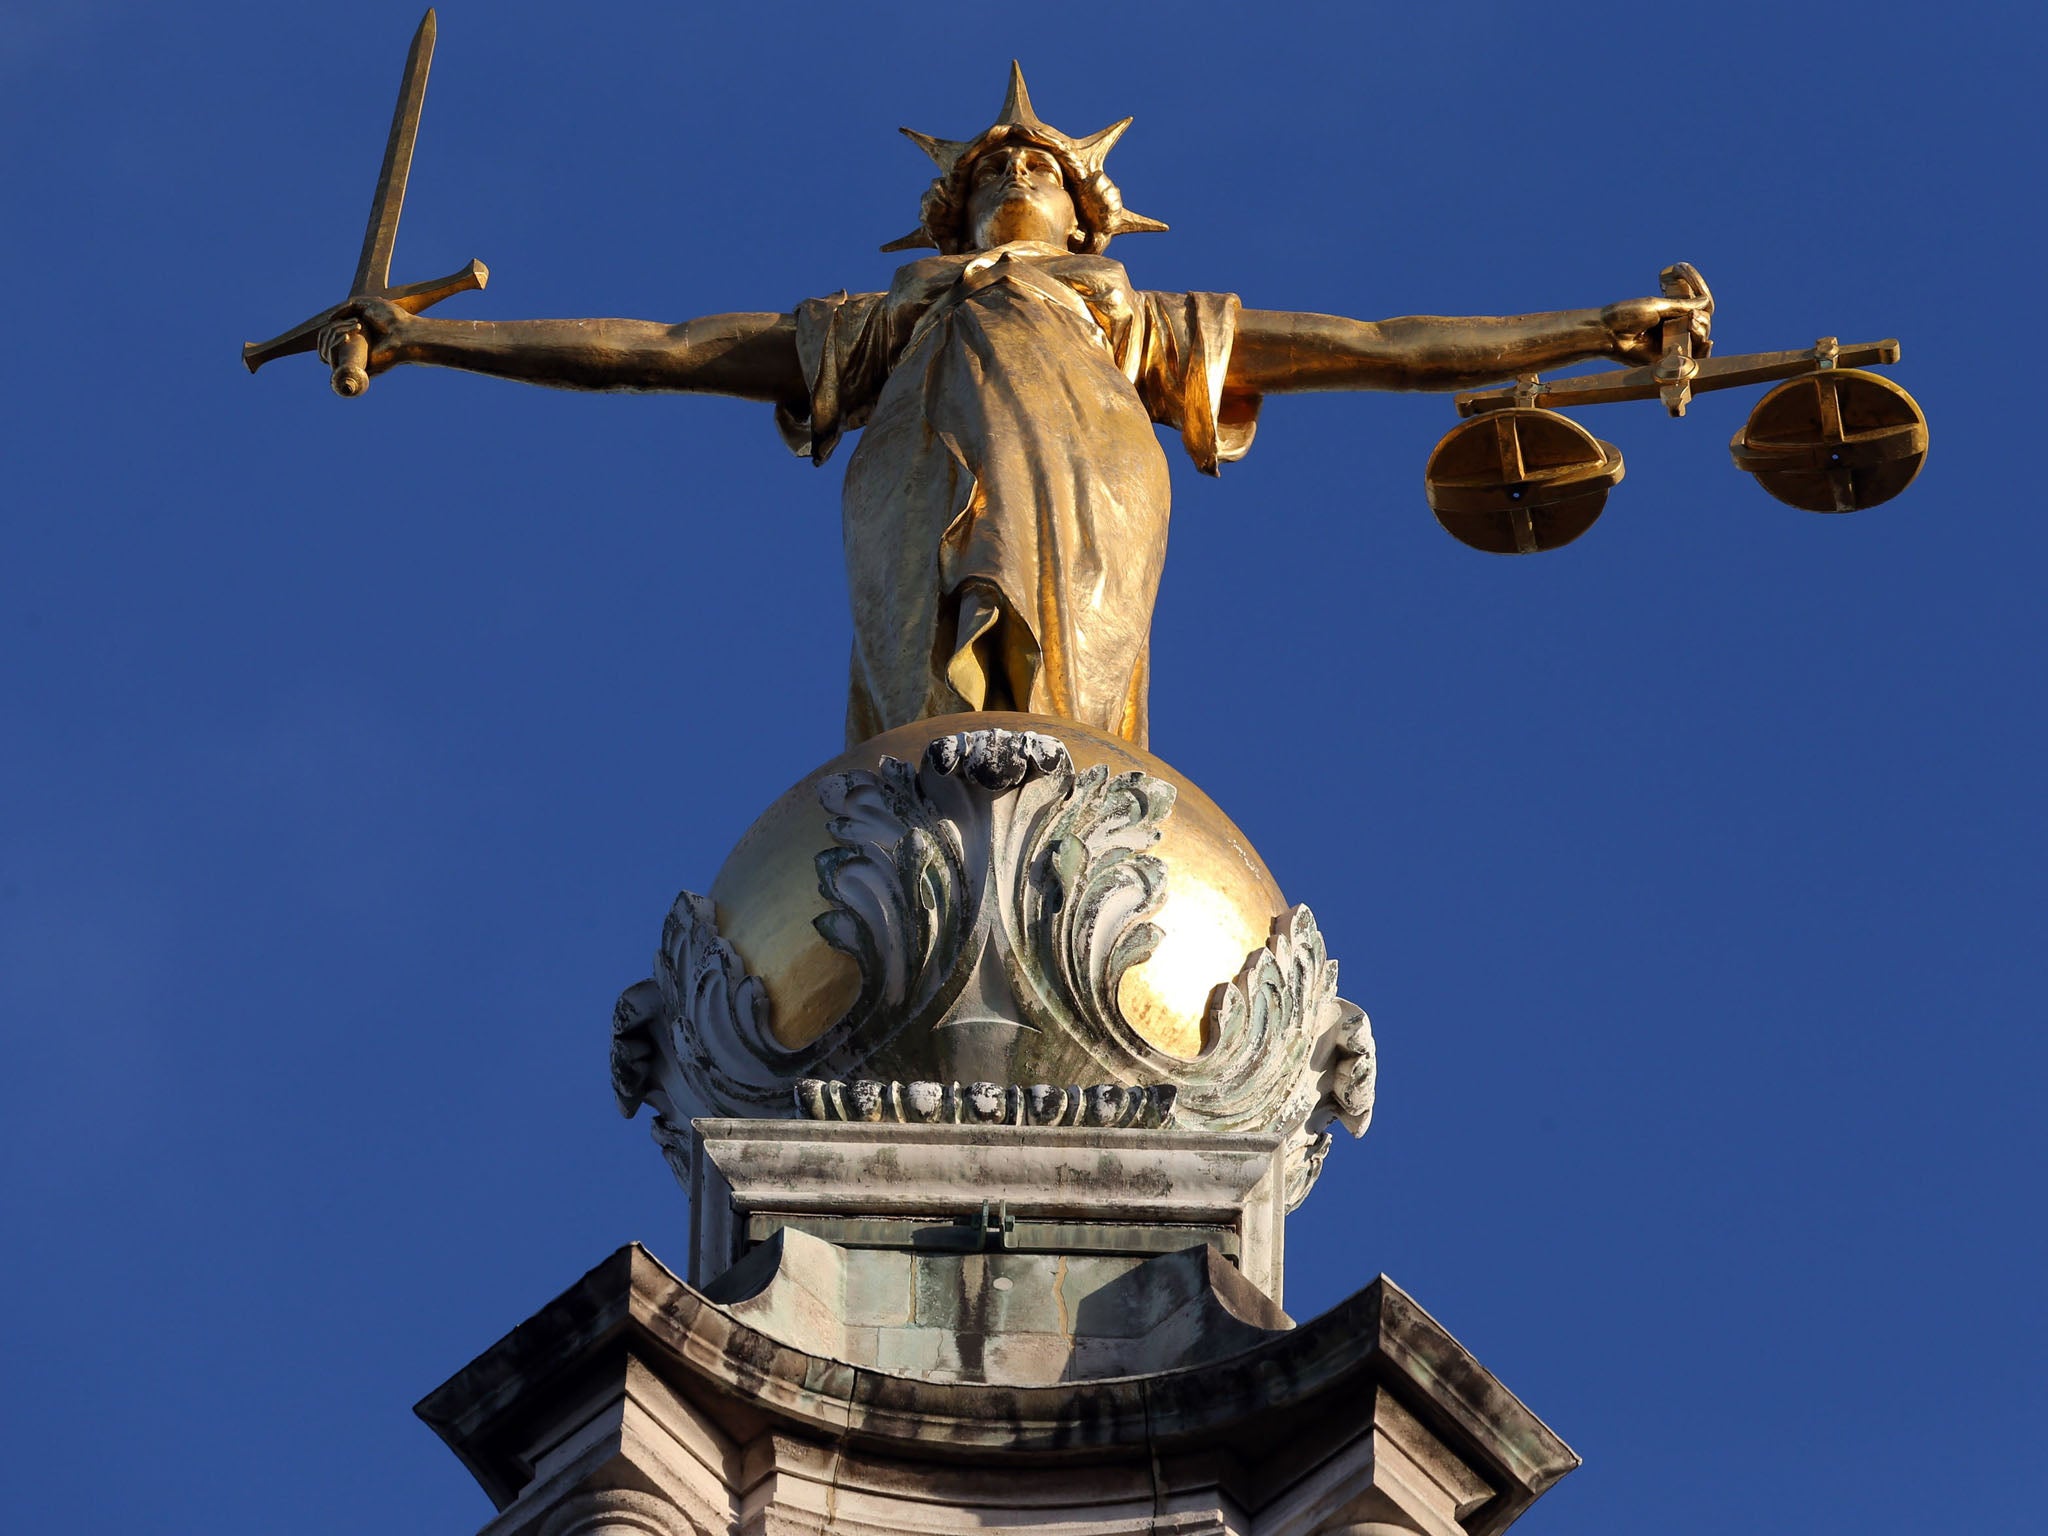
x: 1220, y: 906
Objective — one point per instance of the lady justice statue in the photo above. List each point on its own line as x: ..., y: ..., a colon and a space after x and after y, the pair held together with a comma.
x: 994, y: 1056
x: 1006, y: 508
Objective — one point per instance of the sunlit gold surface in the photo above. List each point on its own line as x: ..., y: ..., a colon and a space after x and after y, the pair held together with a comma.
x: 1220, y: 902
x: 1838, y: 441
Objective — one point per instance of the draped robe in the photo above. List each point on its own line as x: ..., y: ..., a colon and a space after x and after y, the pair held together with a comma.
x: 1005, y: 512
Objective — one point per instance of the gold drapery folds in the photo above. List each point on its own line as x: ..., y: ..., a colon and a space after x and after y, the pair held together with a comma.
x: 1006, y: 510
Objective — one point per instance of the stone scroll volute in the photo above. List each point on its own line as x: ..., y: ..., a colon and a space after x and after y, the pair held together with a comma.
x: 992, y: 898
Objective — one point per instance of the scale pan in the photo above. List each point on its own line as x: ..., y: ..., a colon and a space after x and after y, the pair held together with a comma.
x: 1519, y: 481
x: 1838, y: 440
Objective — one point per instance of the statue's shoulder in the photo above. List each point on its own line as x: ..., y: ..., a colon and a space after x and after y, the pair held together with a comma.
x: 1097, y: 274
x: 927, y: 272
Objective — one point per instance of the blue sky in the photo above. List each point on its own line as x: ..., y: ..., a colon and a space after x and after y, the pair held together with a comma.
x: 350, y: 753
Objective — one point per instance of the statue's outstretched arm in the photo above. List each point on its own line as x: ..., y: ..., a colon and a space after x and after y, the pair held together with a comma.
x: 752, y: 356
x: 1277, y: 351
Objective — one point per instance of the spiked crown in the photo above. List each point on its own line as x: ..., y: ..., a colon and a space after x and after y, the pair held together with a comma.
x: 1098, y: 205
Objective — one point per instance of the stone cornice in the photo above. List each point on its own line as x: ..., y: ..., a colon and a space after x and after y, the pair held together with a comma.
x: 1264, y: 1405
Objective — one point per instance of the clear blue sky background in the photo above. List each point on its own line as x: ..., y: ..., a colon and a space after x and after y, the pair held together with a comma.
x: 351, y: 753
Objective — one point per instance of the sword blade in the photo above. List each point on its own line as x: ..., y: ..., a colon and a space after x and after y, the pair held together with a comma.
x: 373, y: 271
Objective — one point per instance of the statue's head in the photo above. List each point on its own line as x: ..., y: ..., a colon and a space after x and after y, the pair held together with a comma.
x: 1022, y: 179
x: 1018, y: 191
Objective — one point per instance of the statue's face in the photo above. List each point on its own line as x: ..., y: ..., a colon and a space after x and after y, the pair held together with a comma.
x: 1017, y: 192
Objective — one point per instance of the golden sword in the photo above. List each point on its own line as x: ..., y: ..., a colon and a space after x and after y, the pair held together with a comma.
x: 350, y: 349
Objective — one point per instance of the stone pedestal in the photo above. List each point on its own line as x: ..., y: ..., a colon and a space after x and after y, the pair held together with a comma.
x: 1047, y: 1189
x: 944, y: 1328
x: 992, y: 1070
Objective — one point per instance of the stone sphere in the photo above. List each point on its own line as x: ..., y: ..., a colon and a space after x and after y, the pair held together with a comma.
x: 1220, y: 906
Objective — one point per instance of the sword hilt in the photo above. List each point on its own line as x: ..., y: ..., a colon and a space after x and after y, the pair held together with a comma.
x: 348, y: 354
x: 305, y: 336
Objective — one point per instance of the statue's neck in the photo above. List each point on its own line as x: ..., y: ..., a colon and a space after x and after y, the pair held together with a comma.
x: 1018, y: 248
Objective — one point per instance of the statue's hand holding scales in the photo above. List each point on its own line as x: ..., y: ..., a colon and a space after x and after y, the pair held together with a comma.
x: 1006, y: 507
x: 1642, y: 328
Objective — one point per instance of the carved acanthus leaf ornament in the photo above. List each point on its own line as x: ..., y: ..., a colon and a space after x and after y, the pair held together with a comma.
x: 993, y: 898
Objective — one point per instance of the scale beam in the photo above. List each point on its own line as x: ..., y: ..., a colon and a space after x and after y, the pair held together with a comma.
x: 1709, y: 374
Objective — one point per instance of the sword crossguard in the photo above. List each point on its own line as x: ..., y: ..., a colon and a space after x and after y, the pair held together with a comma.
x: 411, y: 297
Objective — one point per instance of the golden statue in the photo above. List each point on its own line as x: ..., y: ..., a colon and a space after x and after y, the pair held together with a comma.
x: 1006, y: 508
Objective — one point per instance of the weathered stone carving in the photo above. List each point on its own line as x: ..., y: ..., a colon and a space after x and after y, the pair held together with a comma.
x: 993, y: 874
x: 694, y: 1039
x: 898, y: 887
x: 1289, y: 1051
x: 672, y: 1135
x: 993, y: 900
x: 1086, y: 887
x: 618, y: 1512
x: 1306, y: 1150
x: 1350, y: 1077
x: 1104, y: 1105
x: 997, y: 760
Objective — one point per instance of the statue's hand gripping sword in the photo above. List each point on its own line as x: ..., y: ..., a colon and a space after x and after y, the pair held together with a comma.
x: 349, y: 349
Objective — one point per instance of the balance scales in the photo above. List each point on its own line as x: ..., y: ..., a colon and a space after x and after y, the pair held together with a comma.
x: 1517, y: 476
